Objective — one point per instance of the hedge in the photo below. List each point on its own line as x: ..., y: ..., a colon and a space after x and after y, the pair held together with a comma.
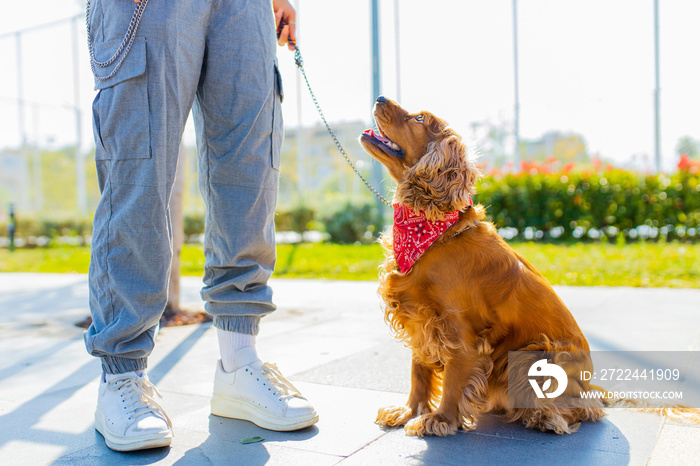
x: 610, y: 203
x: 352, y: 223
x: 28, y: 227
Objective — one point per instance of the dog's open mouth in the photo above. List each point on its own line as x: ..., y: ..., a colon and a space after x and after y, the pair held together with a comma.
x: 379, y: 139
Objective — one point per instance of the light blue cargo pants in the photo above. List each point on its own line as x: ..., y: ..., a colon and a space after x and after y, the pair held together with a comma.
x: 218, y: 55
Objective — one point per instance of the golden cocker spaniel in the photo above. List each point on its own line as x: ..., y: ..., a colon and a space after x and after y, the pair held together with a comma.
x: 460, y: 297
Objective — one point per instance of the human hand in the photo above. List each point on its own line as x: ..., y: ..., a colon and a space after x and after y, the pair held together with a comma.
x: 285, y: 15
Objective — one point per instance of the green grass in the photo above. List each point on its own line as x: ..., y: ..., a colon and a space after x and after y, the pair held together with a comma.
x: 63, y: 259
x: 330, y: 261
x: 675, y: 265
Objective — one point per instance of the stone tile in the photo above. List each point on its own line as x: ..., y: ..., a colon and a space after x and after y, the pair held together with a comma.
x: 383, y: 367
x: 635, y: 319
x: 27, y: 452
x: 329, y: 338
x: 621, y: 438
x: 184, y: 359
x: 26, y: 351
x: 51, y: 368
x: 197, y: 448
x: 346, y: 420
x: 42, y: 304
x: 216, y: 450
x: 345, y: 426
x: 639, y: 429
x: 677, y: 445
x: 469, y: 448
x: 195, y: 352
x: 52, y: 425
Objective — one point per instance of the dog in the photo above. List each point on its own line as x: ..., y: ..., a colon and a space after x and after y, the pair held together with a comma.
x: 461, y: 298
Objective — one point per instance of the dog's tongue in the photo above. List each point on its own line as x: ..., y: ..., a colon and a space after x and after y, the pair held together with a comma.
x: 370, y: 132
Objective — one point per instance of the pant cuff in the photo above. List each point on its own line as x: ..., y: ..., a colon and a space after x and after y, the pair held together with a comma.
x: 117, y: 365
x: 250, y: 325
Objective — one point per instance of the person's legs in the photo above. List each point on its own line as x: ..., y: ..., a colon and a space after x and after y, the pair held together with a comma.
x: 239, y: 141
x: 138, y: 115
x: 239, y: 128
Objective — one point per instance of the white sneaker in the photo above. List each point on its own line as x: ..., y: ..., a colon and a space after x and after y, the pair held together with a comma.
x: 127, y: 415
x: 258, y: 393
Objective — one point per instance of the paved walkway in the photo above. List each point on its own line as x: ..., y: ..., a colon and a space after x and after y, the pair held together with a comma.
x: 330, y: 339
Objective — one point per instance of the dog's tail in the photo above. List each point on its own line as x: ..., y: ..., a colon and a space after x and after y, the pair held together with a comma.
x: 675, y: 411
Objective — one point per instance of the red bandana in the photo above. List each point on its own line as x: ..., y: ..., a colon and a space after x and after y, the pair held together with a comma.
x: 413, y: 234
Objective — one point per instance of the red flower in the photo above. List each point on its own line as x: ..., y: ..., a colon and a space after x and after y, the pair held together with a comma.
x: 687, y: 165
x: 568, y: 167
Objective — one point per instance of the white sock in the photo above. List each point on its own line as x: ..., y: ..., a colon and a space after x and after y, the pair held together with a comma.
x: 229, y: 343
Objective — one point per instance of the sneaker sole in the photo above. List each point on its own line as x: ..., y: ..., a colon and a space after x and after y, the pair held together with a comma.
x: 235, y: 409
x: 119, y: 443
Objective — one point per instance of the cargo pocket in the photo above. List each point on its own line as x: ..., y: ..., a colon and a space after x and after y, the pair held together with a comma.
x: 277, y: 124
x: 120, y: 110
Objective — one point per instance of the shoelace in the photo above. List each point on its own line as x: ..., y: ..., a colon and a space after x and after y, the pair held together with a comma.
x: 138, y: 394
x: 277, y: 381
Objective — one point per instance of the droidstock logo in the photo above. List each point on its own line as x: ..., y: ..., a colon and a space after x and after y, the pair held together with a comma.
x: 542, y: 368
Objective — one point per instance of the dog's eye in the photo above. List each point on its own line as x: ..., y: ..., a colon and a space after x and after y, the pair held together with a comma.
x: 419, y: 118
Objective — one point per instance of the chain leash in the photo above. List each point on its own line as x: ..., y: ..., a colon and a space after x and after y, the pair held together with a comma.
x: 124, y: 47
x: 299, y: 61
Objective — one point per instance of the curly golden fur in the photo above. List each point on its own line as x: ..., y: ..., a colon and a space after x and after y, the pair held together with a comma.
x: 442, y: 181
x: 469, y: 299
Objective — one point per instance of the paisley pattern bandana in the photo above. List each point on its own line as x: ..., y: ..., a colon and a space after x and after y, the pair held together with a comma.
x: 413, y: 234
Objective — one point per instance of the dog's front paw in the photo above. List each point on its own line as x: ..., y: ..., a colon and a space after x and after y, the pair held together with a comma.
x: 431, y: 424
x: 393, y: 416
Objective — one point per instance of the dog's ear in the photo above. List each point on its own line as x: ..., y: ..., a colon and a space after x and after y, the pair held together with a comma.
x: 442, y: 181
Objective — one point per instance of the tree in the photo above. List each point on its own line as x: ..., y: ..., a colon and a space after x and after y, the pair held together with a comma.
x: 177, y: 219
x: 689, y: 146
x: 493, y: 140
x: 569, y: 148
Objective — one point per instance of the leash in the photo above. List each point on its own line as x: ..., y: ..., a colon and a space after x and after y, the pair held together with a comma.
x: 468, y: 227
x: 299, y: 61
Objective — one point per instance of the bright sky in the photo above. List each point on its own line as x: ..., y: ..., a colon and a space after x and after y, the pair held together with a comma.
x: 585, y: 66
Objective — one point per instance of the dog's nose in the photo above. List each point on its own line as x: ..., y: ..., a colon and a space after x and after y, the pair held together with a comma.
x: 381, y: 99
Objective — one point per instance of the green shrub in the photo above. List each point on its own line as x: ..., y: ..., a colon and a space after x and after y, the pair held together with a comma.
x: 354, y: 223
x: 614, y: 202
x: 298, y: 219
x: 27, y: 227
x: 193, y: 224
